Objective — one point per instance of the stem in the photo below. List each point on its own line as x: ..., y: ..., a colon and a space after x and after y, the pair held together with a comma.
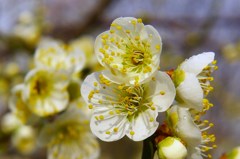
x: 148, y: 148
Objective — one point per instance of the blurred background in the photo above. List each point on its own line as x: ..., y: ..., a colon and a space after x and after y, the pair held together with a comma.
x: 187, y: 27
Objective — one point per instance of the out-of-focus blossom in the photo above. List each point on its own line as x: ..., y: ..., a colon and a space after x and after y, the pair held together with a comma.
x: 28, y: 28
x: 45, y: 91
x: 24, y: 139
x: 119, y: 109
x: 130, y: 50
x: 10, y: 123
x: 192, y: 80
x: 86, y: 44
x: 55, y: 55
x: 231, y: 52
x: 69, y: 137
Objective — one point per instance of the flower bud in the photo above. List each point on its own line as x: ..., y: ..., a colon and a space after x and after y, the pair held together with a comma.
x: 24, y: 139
x: 10, y: 123
x: 234, y: 154
x: 171, y: 148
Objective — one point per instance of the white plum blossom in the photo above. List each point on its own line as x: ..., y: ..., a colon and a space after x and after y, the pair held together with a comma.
x: 69, y: 136
x: 120, y: 109
x: 130, y: 50
x: 45, y: 91
x: 192, y: 80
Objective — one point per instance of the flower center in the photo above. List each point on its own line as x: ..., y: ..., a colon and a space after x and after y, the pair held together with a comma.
x: 41, y: 85
x: 132, y: 101
x: 137, y: 57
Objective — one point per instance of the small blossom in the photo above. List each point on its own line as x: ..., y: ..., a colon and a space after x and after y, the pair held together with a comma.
x: 27, y: 29
x: 69, y: 137
x: 119, y: 109
x: 45, y: 92
x: 129, y: 50
x: 24, y: 139
x: 171, y: 148
x: 10, y: 123
x: 192, y: 80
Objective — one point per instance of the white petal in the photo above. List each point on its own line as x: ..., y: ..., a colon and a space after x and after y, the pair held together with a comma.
x: 126, y: 24
x: 104, y: 128
x: 92, y: 83
x: 194, y: 153
x: 118, y: 77
x: 98, y: 45
x: 161, y: 90
x: 187, y: 130
x: 196, y: 63
x: 142, y: 126
x: 155, y: 40
x: 190, y: 92
x: 107, y: 94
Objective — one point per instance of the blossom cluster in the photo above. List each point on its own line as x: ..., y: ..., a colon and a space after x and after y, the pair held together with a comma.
x: 127, y: 97
x: 119, y: 92
x: 47, y: 108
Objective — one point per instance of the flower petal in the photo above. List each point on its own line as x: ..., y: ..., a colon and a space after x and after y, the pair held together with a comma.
x: 111, y: 128
x: 96, y: 88
x: 120, y: 25
x: 143, y: 126
x: 190, y: 92
x: 186, y: 129
x: 197, y: 63
x: 100, y: 93
x: 194, y: 153
x: 162, y: 91
x: 155, y: 40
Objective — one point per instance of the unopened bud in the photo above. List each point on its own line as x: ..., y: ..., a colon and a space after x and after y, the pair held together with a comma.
x: 171, y: 148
